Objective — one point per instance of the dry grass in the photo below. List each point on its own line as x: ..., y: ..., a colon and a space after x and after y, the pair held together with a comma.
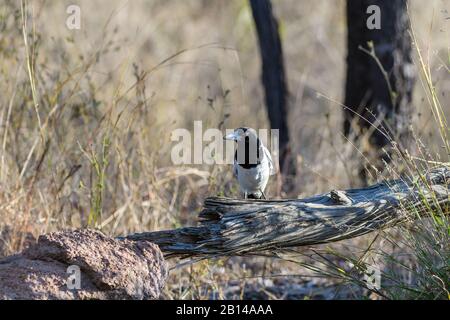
x: 86, y: 117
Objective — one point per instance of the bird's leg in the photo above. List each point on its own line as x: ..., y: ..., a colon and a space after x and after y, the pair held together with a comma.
x: 263, y: 194
x: 245, y: 195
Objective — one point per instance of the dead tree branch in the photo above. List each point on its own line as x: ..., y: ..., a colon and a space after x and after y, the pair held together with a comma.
x: 237, y: 227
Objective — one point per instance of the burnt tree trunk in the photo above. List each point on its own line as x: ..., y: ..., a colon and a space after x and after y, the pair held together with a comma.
x: 380, y: 91
x: 274, y: 78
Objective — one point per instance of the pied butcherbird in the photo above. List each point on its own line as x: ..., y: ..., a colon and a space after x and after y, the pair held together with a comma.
x: 252, y: 163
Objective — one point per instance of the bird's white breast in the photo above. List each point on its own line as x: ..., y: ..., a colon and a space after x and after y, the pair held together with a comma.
x: 253, y: 180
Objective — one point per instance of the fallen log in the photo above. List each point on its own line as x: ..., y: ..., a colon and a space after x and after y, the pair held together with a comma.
x: 238, y: 227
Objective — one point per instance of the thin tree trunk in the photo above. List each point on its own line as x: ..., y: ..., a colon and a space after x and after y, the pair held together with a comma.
x: 274, y: 78
x: 367, y: 91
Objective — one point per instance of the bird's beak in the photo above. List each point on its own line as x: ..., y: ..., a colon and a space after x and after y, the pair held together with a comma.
x: 231, y: 136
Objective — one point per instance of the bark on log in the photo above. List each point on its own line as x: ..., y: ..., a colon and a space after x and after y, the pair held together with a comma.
x: 238, y: 227
x: 109, y: 269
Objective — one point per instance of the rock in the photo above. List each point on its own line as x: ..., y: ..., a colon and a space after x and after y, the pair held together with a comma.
x: 108, y: 268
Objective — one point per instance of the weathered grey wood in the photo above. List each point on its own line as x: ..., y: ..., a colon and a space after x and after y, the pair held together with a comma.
x: 237, y: 227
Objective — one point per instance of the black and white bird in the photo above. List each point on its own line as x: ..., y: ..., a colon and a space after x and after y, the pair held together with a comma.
x: 252, y: 163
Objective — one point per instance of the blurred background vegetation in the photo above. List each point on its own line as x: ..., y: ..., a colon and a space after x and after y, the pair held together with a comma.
x: 86, y: 117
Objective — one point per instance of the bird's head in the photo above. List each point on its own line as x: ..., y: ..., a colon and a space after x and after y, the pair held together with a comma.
x: 240, y: 134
